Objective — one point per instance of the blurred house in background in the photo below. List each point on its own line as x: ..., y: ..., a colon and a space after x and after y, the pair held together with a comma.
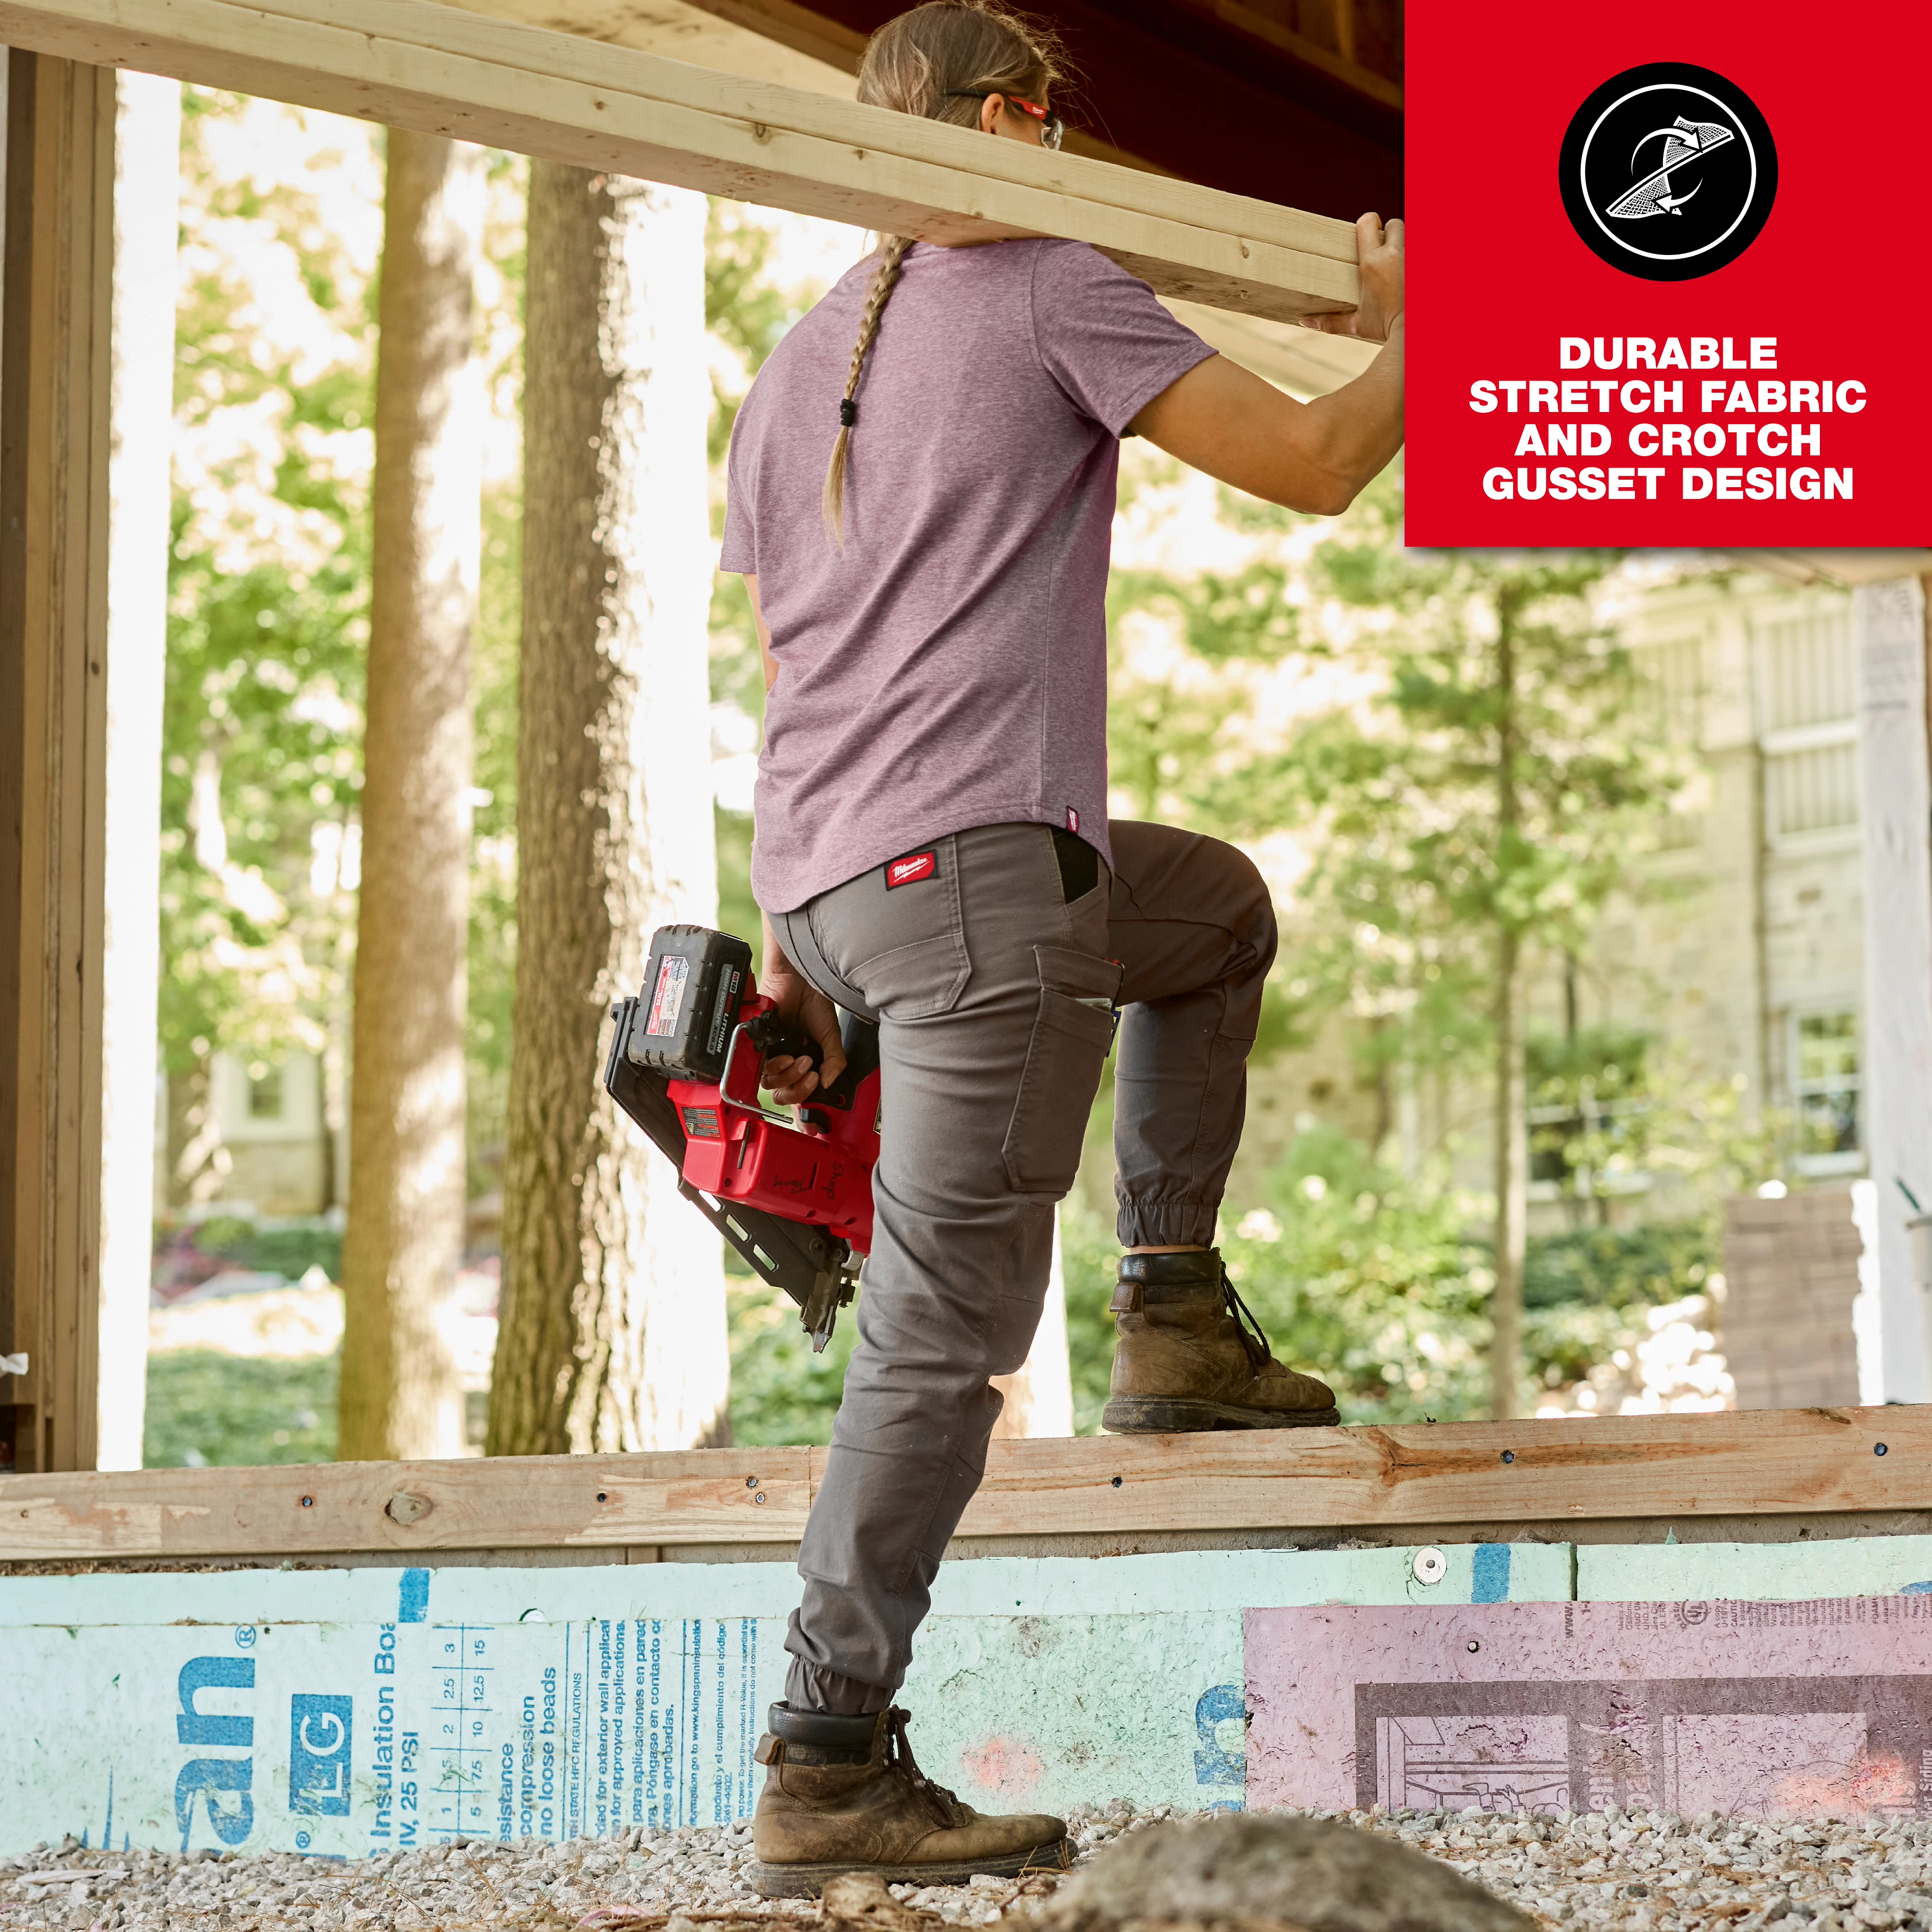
x: 1739, y: 954
x: 1747, y: 949
x: 282, y: 1159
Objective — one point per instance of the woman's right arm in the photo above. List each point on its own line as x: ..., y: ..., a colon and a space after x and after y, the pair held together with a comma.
x: 1316, y: 456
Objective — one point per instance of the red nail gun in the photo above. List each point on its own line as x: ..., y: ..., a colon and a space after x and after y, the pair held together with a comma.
x: 796, y: 1202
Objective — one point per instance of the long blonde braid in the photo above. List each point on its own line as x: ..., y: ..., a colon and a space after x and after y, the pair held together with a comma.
x: 930, y: 62
x: 891, y: 258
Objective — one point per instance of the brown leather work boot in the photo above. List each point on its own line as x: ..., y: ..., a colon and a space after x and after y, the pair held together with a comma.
x: 843, y: 1795
x: 1191, y: 1356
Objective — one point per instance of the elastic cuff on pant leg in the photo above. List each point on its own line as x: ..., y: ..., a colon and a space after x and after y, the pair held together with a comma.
x: 809, y: 1687
x: 1167, y: 1224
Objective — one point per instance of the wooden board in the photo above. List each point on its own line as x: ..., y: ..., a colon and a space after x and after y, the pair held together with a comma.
x: 412, y: 63
x: 1764, y: 1463
x: 53, y: 612
x: 700, y: 1496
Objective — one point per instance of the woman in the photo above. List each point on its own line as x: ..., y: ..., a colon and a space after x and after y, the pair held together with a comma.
x: 933, y: 850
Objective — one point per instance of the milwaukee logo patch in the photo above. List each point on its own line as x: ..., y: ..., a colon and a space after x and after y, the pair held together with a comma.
x: 914, y: 866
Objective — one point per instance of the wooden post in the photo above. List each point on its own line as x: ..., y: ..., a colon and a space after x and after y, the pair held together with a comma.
x: 54, y: 376
x: 146, y: 213
x: 1888, y: 620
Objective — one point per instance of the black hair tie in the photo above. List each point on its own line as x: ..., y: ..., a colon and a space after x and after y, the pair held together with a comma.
x: 848, y: 413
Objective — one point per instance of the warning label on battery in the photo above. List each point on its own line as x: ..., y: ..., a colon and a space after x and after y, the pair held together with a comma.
x: 667, y: 997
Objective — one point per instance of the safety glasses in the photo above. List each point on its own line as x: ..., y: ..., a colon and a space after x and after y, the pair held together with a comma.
x: 1052, y: 129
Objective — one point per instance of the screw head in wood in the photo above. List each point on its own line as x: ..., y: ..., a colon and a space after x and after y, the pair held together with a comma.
x: 760, y: 1497
x: 750, y: 1482
x: 603, y: 1495
x: 1509, y: 1455
x: 308, y: 1502
x: 1878, y: 1448
x: 1117, y: 1482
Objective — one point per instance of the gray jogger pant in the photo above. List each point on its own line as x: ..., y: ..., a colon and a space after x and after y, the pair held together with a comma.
x: 992, y: 990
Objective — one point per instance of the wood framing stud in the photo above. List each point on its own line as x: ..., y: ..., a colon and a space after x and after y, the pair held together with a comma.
x: 412, y: 63
x: 1759, y: 1462
x: 54, y: 383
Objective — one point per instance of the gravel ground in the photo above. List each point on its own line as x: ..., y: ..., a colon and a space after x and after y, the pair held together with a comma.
x: 1646, y: 1870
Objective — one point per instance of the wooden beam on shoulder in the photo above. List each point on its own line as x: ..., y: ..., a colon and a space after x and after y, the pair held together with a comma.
x: 444, y: 70
x: 1767, y: 1463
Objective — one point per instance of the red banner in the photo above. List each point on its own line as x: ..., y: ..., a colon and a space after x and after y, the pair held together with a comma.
x: 1667, y: 281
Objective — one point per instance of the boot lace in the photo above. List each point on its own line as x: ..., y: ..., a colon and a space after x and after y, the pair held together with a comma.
x: 943, y: 1805
x: 1253, y: 1341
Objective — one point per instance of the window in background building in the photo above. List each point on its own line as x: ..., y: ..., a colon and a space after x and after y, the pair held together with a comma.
x: 265, y: 1098
x: 1808, y: 671
x: 1815, y: 790
x: 1807, y: 705
x: 1825, y: 1090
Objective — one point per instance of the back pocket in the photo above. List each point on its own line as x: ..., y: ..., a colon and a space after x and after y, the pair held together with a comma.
x: 1072, y: 1031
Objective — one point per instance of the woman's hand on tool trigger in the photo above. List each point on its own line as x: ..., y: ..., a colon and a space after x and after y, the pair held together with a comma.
x: 792, y: 1079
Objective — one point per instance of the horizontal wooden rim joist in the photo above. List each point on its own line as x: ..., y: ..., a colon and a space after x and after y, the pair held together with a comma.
x: 1761, y: 1463
x: 443, y: 70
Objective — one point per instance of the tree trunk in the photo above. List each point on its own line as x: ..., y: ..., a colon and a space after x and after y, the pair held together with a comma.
x: 613, y: 1333
x: 146, y: 193
x: 1512, y: 1149
x: 400, y: 1396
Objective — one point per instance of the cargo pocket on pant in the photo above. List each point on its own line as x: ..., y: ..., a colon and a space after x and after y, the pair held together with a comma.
x: 1072, y: 1032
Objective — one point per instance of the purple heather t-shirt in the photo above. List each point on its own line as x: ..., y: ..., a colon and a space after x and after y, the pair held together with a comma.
x: 948, y: 668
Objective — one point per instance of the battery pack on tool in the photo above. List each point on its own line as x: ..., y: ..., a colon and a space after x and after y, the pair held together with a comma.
x: 793, y: 1199
x: 690, y: 1001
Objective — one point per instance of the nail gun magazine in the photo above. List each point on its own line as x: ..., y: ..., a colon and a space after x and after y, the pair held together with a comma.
x: 794, y: 1201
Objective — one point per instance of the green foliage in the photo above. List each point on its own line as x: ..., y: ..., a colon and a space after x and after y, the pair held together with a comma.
x: 232, y: 1411
x: 1170, y: 746
x: 1246, y: 616
x: 743, y: 306
x: 781, y: 1392
x: 1499, y: 785
x: 1639, y: 1266
x: 1605, y: 1062
x: 737, y: 909
x: 286, y: 1248
x: 267, y: 575
x: 1634, y: 1115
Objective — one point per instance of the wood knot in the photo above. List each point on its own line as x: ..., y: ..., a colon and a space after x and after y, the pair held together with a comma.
x: 405, y: 1509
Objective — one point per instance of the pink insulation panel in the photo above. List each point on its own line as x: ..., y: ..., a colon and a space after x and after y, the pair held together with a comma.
x: 1751, y: 1709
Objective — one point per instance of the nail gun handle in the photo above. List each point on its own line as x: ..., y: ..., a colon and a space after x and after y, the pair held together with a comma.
x: 772, y: 1032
